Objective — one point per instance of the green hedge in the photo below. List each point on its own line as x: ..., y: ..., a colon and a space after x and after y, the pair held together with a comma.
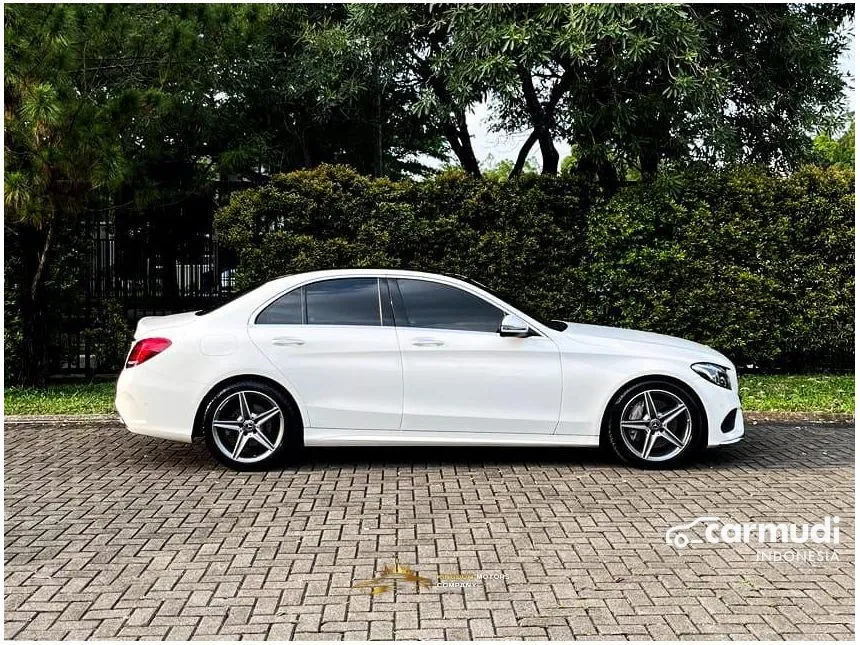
x: 758, y: 266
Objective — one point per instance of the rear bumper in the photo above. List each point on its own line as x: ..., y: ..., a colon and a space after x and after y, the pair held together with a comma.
x: 157, y: 406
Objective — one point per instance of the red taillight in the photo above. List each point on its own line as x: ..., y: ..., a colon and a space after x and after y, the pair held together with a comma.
x: 145, y: 349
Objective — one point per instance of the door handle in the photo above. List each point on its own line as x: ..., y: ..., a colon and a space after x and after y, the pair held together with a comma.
x: 427, y: 342
x: 283, y: 341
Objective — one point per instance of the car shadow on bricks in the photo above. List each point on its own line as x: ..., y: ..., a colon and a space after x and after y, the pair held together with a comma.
x: 771, y: 447
x: 765, y: 447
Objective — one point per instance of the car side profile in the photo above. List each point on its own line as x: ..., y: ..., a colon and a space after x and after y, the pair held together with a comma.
x: 387, y: 357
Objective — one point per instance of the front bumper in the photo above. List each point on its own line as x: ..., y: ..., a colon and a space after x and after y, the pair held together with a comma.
x: 731, y: 432
x: 725, y: 417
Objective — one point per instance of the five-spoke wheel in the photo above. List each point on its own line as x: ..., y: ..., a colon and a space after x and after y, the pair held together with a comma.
x: 655, y: 423
x: 247, y: 425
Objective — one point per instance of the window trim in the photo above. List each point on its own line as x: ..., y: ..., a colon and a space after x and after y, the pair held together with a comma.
x: 494, y: 300
x: 401, y: 305
x: 497, y: 302
x: 304, y: 303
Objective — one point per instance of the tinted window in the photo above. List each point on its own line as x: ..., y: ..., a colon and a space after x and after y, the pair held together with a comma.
x: 439, y: 306
x: 286, y: 310
x: 347, y: 301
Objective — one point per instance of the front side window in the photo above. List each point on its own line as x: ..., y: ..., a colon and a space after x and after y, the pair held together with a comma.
x: 440, y: 306
x: 344, y: 301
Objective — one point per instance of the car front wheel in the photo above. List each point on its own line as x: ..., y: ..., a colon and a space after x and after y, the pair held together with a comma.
x: 249, y: 426
x: 655, y: 424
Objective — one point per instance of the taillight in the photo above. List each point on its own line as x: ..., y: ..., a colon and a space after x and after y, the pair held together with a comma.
x: 145, y: 349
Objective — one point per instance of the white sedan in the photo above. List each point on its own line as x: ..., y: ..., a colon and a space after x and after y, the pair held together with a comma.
x: 383, y: 357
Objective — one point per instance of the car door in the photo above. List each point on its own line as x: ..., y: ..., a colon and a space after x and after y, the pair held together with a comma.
x: 328, y: 340
x: 460, y: 375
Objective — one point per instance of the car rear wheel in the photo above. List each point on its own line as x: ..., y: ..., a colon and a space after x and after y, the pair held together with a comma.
x: 655, y: 424
x: 249, y: 426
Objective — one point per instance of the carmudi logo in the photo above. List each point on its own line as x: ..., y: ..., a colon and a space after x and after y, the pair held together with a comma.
x: 712, y: 530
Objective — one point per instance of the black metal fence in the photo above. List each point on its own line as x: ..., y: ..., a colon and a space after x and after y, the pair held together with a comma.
x: 136, y: 267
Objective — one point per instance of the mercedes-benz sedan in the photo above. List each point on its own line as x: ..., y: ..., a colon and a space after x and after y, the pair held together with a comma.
x: 383, y: 357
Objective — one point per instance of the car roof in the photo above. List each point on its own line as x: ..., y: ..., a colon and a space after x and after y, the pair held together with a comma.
x: 346, y: 273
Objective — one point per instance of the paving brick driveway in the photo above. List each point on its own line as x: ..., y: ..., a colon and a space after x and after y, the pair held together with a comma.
x: 108, y: 534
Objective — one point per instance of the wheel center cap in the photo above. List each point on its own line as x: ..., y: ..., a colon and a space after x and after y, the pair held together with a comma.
x: 655, y: 424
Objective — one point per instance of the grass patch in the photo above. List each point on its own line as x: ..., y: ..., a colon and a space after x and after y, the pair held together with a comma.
x: 807, y: 393
x: 797, y: 393
x: 77, y: 398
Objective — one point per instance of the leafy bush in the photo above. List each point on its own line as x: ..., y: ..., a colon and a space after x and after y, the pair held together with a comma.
x: 109, y: 336
x: 758, y: 266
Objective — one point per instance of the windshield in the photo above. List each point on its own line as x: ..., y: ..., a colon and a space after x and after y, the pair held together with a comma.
x: 557, y: 325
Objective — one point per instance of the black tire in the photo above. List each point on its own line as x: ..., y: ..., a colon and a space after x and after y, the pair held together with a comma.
x: 662, y: 391
x: 260, y: 397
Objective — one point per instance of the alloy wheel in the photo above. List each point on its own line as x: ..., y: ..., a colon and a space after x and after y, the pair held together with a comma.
x: 248, y: 426
x: 656, y: 425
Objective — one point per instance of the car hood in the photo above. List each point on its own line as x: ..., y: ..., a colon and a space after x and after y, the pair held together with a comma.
x: 639, y: 342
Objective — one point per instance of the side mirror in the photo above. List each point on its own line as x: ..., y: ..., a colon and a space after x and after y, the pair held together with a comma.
x: 514, y: 326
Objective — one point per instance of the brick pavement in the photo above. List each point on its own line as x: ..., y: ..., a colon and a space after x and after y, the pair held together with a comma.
x: 112, y: 535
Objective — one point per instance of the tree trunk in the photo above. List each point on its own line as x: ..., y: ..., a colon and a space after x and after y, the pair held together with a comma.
x: 607, y: 175
x: 40, y: 266
x: 603, y: 170
x: 458, y: 138
x: 549, y: 154
x: 649, y: 161
x: 520, y: 163
x: 36, y: 245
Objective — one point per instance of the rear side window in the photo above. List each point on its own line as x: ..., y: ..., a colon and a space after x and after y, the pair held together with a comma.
x: 345, y: 301
x: 440, y: 306
x: 286, y: 310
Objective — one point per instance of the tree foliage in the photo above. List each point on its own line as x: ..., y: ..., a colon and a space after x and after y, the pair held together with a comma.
x: 627, y: 84
x: 828, y: 150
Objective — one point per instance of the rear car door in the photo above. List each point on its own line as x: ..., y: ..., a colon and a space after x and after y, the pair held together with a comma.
x: 460, y: 375
x: 328, y: 340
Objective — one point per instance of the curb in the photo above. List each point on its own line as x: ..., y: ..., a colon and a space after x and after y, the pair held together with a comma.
x: 751, y: 418
x: 61, y: 418
x: 837, y: 418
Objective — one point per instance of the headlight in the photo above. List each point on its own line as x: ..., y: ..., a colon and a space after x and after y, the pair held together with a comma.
x: 716, y: 374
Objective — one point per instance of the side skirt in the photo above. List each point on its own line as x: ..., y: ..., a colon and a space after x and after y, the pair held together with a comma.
x: 346, y: 437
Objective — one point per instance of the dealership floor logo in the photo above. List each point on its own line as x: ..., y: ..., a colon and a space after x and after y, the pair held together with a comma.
x: 712, y: 530
x: 391, y: 575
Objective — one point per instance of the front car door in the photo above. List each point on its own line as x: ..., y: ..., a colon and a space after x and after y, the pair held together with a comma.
x: 460, y: 375
x: 328, y: 340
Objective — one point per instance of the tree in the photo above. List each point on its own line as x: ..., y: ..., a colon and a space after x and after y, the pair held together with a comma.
x: 60, y: 143
x: 649, y: 84
x: 415, y: 42
x: 99, y: 99
x: 306, y: 91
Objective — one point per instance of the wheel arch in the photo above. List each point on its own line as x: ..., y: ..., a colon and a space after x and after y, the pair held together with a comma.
x: 197, y: 430
x: 604, y: 420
